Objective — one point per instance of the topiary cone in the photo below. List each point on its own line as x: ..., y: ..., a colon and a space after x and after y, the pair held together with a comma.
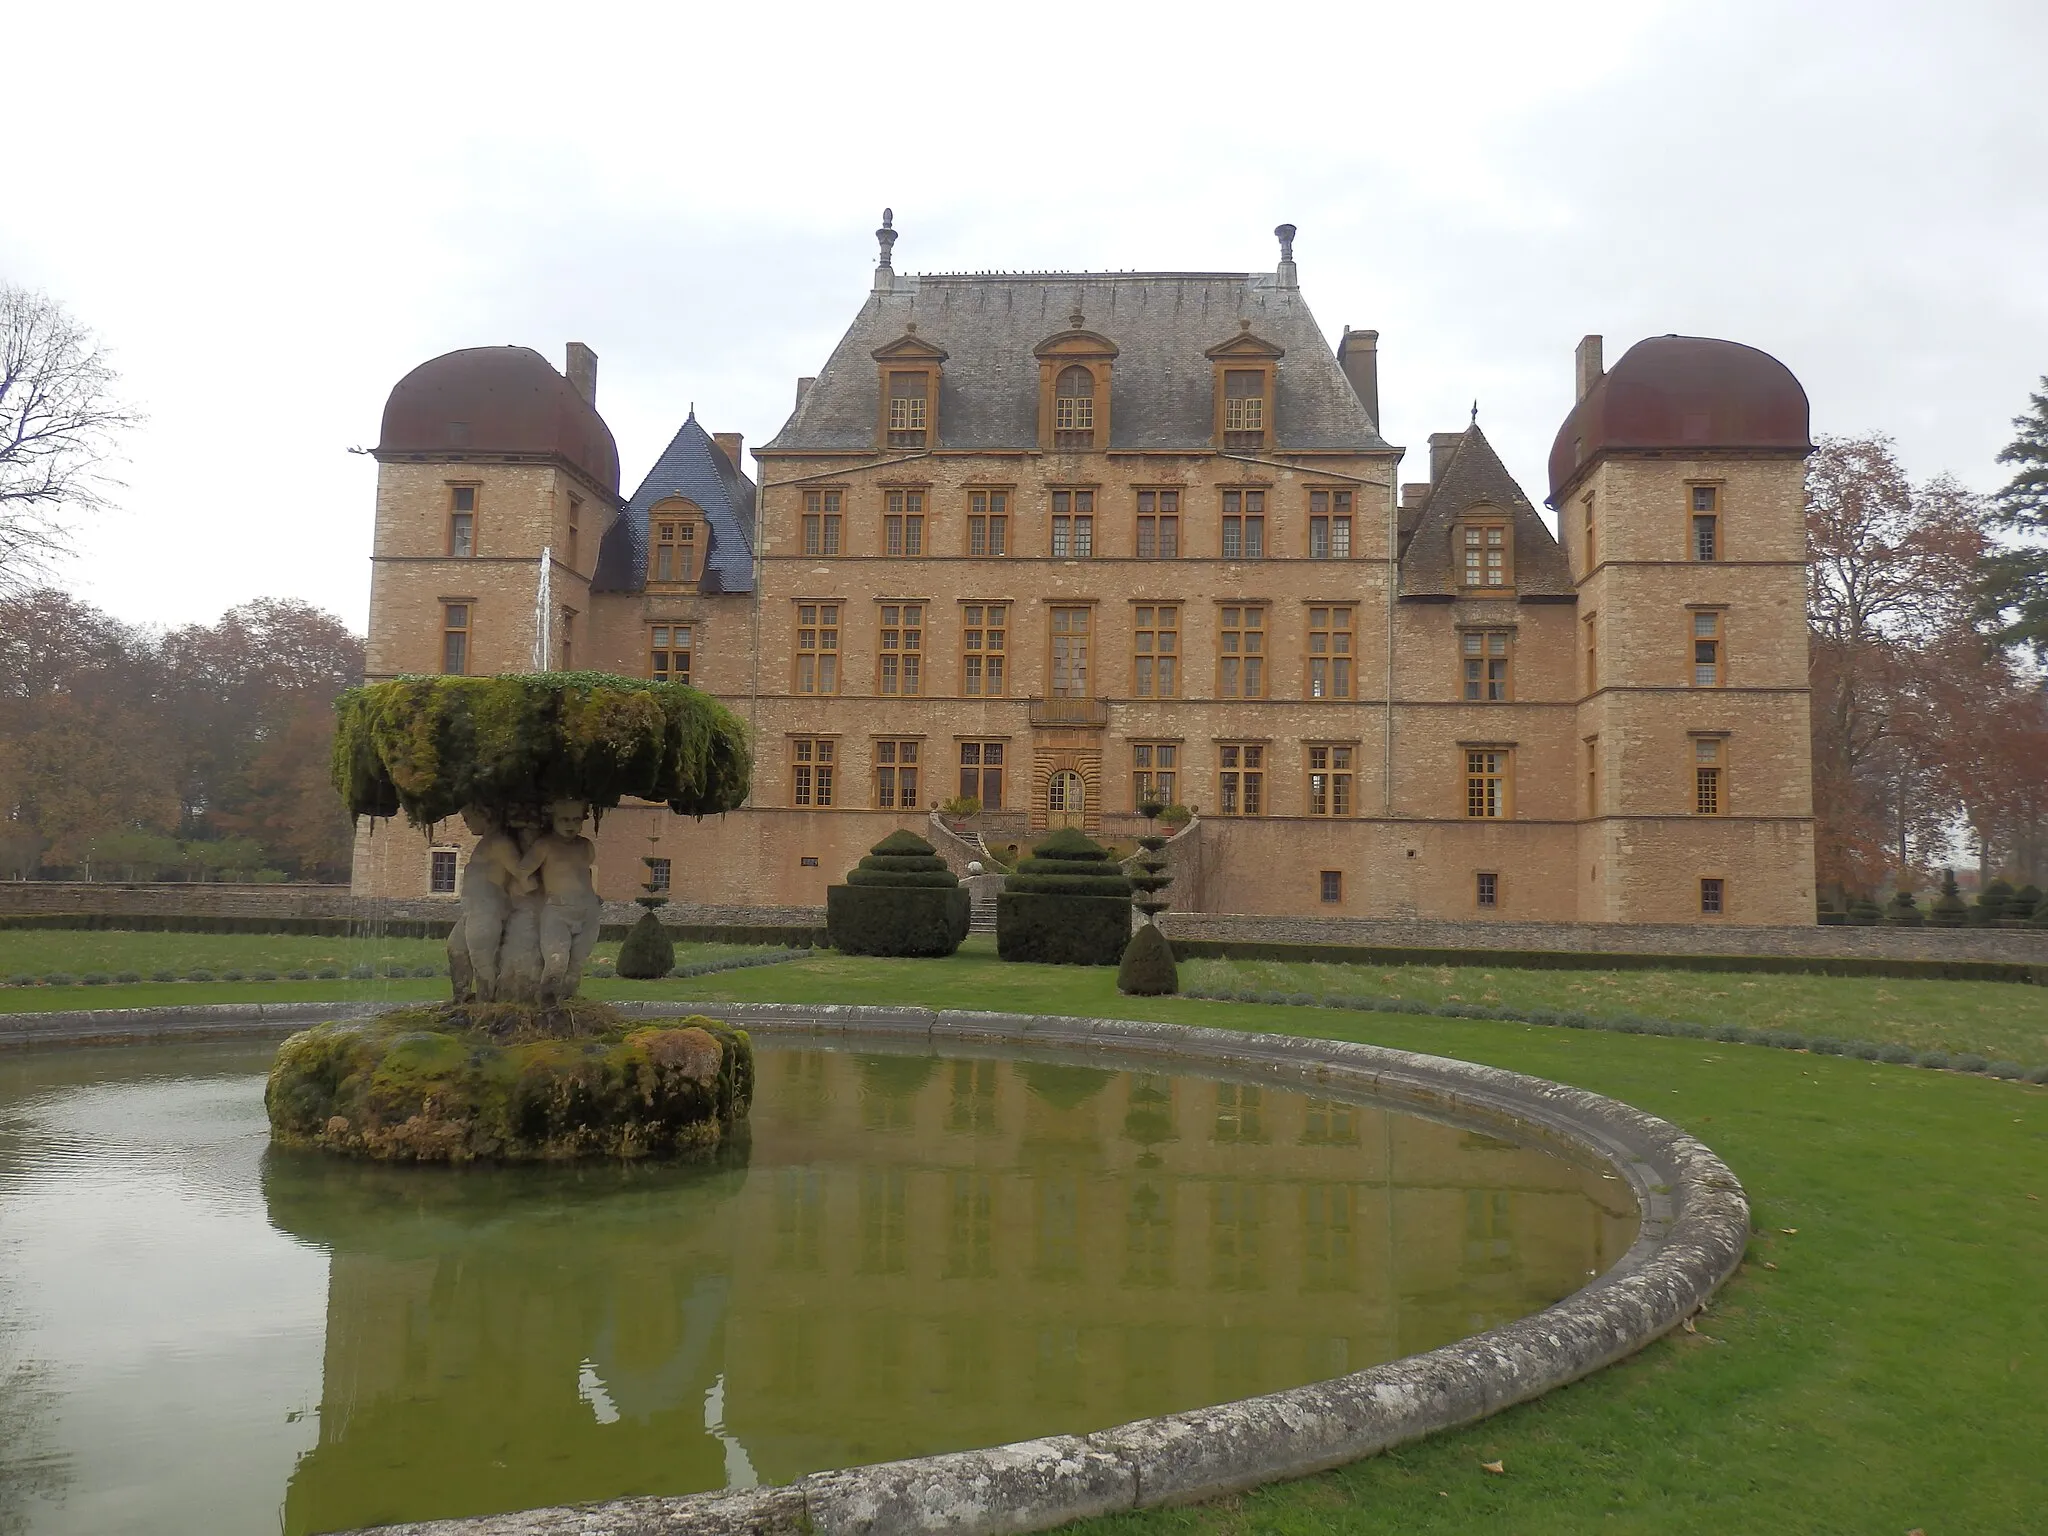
x: 1147, y: 968
x: 648, y: 952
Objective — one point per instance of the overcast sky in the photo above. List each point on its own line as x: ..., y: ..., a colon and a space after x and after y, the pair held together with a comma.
x: 270, y: 213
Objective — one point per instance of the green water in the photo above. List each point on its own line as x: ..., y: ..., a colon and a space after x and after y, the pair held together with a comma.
x: 911, y: 1254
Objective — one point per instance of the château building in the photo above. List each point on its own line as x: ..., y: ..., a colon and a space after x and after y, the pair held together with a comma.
x: 1061, y: 543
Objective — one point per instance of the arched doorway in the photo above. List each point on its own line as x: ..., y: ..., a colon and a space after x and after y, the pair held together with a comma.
x: 1065, y: 799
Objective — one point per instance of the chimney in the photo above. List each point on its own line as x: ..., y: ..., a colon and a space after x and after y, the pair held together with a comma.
x: 1286, y: 275
x: 1589, y: 369
x: 582, y: 371
x: 1441, y: 446
x: 885, y: 271
x: 1358, y: 354
x: 729, y: 445
x: 1413, y: 494
x: 803, y: 387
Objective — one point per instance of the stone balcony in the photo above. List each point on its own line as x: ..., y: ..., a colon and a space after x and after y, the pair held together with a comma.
x: 1087, y: 714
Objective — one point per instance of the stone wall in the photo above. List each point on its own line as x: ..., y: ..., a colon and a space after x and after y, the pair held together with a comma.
x: 2008, y: 945
x: 183, y: 899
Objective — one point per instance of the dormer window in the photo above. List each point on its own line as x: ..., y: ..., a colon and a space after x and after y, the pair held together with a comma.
x: 1073, y: 409
x: 675, y: 543
x: 909, y: 417
x: 909, y: 409
x: 1485, y: 554
x: 1245, y: 370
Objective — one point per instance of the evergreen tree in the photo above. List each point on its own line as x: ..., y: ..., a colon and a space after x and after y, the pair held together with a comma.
x: 2016, y: 580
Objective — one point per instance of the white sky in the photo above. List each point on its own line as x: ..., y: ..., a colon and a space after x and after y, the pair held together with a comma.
x: 273, y: 212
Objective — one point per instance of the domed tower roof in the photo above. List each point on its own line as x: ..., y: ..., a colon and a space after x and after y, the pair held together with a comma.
x: 1682, y: 394
x: 491, y: 401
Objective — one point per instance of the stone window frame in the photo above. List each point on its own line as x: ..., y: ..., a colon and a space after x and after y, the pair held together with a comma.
x: 1074, y: 517
x: 1330, y: 515
x: 673, y: 533
x: 982, y: 768
x: 1589, y: 625
x: 1481, y: 520
x: 1588, y: 556
x: 1711, y: 779
x: 1148, y: 771
x: 1592, y: 744
x: 1347, y: 660
x: 908, y: 421
x: 663, y: 651
x: 1714, y: 888
x: 1694, y: 613
x: 1090, y: 653
x: 989, y: 512
x: 1145, y: 623
x: 1463, y: 680
x: 575, y: 530
x: 1486, y: 890
x: 1242, y: 631
x: 1160, y: 516
x: 974, y: 621
x: 1483, y: 763
x: 817, y: 652
x: 1713, y: 493
x: 1241, y: 778
x: 812, y: 760
x: 824, y: 513
x: 895, y: 765
x: 463, y: 519
x: 909, y: 506
x: 1245, y: 360
x: 446, y: 857
x: 1340, y: 774
x: 1058, y: 356
x: 1330, y: 887
x: 910, y: 651
x: 1233, y: 506
x: 456, y: 628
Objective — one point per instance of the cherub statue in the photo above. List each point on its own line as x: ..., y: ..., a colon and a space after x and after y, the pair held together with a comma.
x: 492, y: 884
x: 570, y: 910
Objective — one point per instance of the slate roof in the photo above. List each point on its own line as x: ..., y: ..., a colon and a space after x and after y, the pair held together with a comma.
x: 1476, y: 477
x: 1162, y: 386
x: 692, y: 465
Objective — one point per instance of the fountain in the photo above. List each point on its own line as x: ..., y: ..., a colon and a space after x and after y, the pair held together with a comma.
x: 516, y: 1065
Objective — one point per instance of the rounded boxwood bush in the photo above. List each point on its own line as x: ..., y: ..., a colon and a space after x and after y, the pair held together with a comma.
x: 360, y: 973
x: 426, y: 970
x: 1897, y: 1055
x: 900, y: 899
x: 232, y: 976
x: 328, y: 973
x: 1863, y: 1050
x: 2038, y: 1075
x: 397, y: 972
x: 263, y: 975
x: 1147, y: 968
x: 59, y: 979
x: 127, y: 976
x: 301, y: 974
x: 202, y: 974
x: 1969, y: 1061
x: 95, y: 979
x: 649, y: 950
x: 21, y: 979
x: 1933, y: 1060
x: 1824, y: 1045
x: 163, y: 975
x: 2005, y: 1069
x: 1734, y: 1034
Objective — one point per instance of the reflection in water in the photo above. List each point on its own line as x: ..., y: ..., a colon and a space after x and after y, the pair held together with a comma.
x: 913, y: 1255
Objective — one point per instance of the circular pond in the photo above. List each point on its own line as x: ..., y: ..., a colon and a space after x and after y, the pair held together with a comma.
x: 910, y: 1254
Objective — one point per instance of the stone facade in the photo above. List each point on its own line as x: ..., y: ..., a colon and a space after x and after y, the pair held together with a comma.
x: 1523, y: 741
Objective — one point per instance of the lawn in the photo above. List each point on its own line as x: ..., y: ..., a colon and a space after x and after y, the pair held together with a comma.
x: 1879, y: 1364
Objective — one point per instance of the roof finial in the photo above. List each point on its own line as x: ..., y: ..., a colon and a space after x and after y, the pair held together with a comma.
x: 1286, y: 273
x: 885, y: 271
x: 1475, y: 410
x: 1075, y: 318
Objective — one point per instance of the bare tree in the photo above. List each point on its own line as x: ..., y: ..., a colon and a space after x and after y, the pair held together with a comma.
x: 59, y: 422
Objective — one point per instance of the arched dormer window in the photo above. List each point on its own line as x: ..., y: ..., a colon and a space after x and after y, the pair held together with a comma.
x: 1246, y: 367
x: 1073, y: 389
x: 676, y: 537
x: 1483, y: 551
x: 909, y: 415
x: 1073, y: 408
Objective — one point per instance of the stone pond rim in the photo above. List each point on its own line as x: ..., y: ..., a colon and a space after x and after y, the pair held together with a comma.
x: 1695, y: 1224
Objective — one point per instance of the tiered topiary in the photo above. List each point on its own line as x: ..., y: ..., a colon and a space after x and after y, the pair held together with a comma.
x: 1948, y: 910
x: 1066, y: 905
x: 1991, y: 903
x: 1900, y: 911
x: 1864, y: 913
x: 1147, y: 968
x: 649, y: 952
x: 899, y: 900
x: 2025, y: 904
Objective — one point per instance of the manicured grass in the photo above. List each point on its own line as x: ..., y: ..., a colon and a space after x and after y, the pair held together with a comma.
x: 1881, y: 1366
x: 2000, y: 1020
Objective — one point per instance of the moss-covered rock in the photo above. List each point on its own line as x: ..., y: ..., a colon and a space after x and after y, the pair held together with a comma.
x: 500, y: 1082
x: 430, y: 746
x: 648, y: 951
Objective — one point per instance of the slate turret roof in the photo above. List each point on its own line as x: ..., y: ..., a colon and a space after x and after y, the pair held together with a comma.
x: 1162, y: 387
x: 1475, y: 477
x: 692, y: 465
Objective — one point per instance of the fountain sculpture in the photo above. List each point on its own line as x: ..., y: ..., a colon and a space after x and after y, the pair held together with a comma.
x: 517, y: 1065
